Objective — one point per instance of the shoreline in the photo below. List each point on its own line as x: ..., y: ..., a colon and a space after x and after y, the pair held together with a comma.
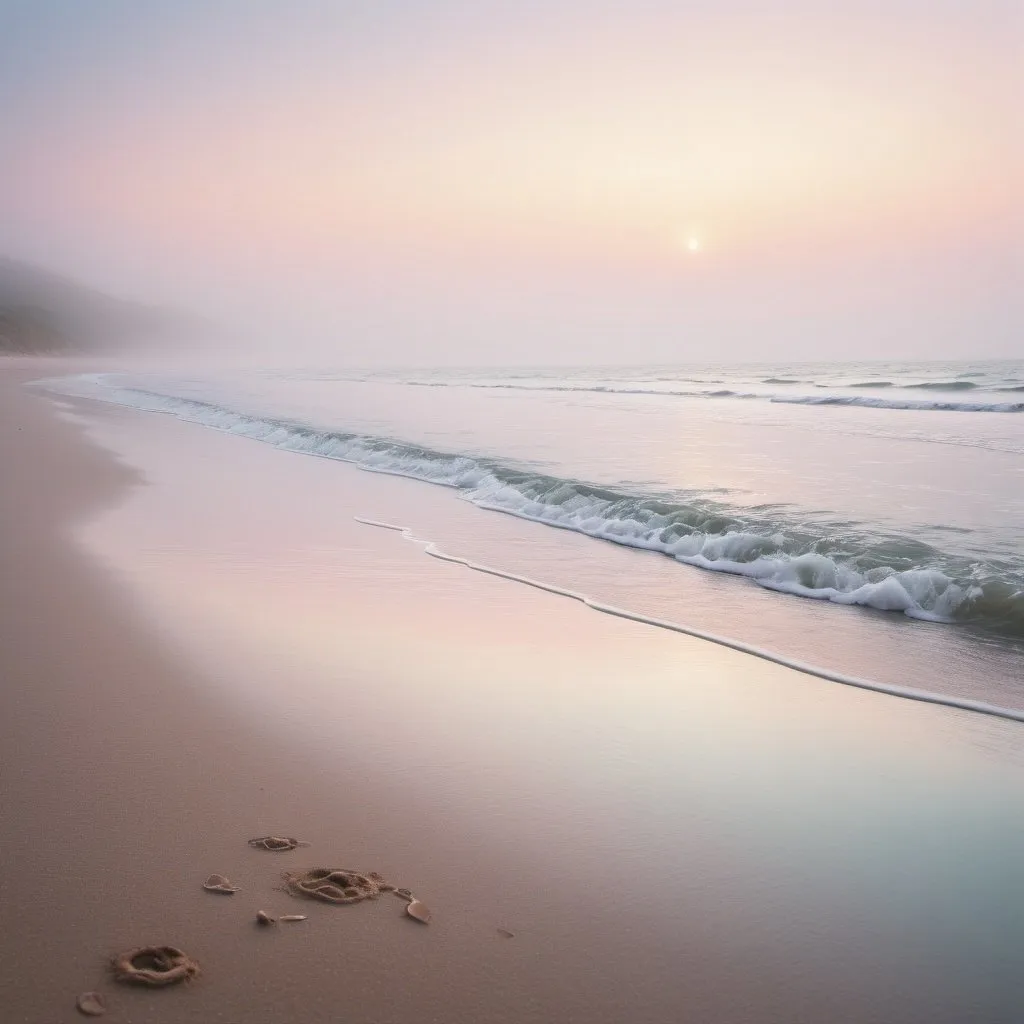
x: 126, y: 782
x: 905, y: 693
x: 662, y: 842
x: 979, y: 671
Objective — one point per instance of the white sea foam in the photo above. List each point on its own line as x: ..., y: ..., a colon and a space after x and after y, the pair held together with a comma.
x: 902, y: 575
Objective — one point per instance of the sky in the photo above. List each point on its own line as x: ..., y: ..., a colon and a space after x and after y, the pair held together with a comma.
x: 410, y: 182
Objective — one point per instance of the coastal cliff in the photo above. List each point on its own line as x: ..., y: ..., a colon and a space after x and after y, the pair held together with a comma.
x: 43, y: 313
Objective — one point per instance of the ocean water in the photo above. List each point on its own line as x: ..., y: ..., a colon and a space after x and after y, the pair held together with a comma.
x: 792, y: 849
x: 889, y: 497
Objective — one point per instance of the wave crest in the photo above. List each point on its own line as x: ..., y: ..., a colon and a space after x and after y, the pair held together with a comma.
x: 779, y: 552
x: 944, y: 385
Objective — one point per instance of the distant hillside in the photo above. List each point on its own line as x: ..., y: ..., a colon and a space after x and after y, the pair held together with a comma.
x: 43, y: 313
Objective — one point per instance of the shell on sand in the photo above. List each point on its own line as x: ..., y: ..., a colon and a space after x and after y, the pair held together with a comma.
x: 276, y: 843
x: 262, y: 917
x: 218, y: 883
x: 419, y: 910
x: 91, y: 1004
x: 293, y: 917
x: 154, y: 966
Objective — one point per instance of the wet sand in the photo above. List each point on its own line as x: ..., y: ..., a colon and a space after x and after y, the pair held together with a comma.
x: 214, y: 651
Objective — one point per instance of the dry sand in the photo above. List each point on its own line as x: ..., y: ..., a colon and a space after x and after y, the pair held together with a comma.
x: 128, y: 779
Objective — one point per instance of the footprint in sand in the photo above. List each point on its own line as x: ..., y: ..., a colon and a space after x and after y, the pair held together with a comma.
x: 337, y: 885
x: 340, y: 885
x: 276, y: 843
x: 154, y: 966
x: 218, y: 883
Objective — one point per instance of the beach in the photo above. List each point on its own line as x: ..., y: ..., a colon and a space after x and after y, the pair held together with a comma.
x: 200, y: 645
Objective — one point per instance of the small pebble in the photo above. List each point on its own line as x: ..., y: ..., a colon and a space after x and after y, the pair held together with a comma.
x: 263, y: 918
x: 91, y: 1004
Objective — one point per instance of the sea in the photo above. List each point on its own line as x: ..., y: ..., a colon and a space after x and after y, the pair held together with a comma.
x: 861, y: 520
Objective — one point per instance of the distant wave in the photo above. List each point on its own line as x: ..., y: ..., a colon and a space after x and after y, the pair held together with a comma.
x: 945, y: 385
x: 868, y: 401
x: 872, y: 384
x: 691, y: 380
x: 779, y: 551
x: 783, y: 380
x: 899, y: 403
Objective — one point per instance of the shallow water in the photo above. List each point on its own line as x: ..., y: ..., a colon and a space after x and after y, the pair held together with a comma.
x: 667, y: 827
x: 908, y: 520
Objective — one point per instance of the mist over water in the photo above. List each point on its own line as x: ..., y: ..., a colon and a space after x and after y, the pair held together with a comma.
x: 555, y: 183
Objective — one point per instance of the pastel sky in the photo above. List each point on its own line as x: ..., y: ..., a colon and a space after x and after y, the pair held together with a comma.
x: 516, y: 182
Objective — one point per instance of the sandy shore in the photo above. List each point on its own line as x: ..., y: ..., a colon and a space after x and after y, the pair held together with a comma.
x: 122, y: 790
x: 665, y: 842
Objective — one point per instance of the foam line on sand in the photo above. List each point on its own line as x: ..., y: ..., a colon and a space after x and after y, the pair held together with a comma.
x: 906, y: 692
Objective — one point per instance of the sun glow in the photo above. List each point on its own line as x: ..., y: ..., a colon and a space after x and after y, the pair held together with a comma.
x: 690, y: 241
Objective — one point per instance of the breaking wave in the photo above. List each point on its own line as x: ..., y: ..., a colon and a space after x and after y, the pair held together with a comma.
x: 777, y: 548
x: 868, y: 401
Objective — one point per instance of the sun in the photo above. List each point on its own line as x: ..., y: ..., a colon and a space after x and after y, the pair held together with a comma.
x: 690, y: 241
